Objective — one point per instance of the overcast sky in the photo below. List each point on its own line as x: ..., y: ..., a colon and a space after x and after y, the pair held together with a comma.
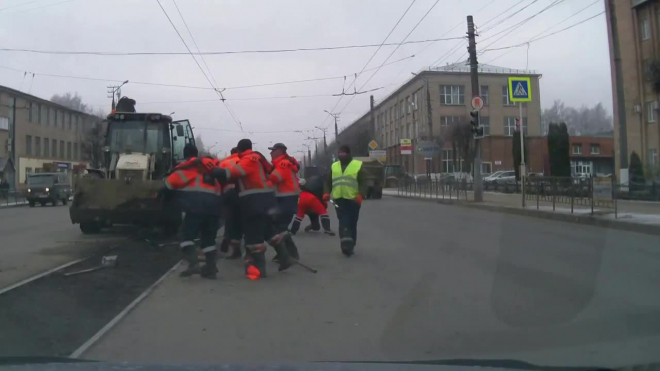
x: 574, y: 63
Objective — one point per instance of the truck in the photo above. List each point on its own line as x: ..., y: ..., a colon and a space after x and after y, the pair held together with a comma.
x: 374, y: 176
x: 139, y: 150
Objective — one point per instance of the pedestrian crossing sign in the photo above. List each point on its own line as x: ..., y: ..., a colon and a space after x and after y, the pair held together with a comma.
x: 519, y: 89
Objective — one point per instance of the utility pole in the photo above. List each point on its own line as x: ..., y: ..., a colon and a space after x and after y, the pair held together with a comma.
x: 336, y: 116
x: 474, y: 77
x: 325, y: 143
x: 619, y: 102
x: 115, y: 90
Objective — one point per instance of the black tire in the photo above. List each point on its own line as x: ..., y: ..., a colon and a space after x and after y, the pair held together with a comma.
x: 54, y: 201
x: 65, y: 201
x: 43, y: 203
x: 90, y: 227
x: 31, y: 203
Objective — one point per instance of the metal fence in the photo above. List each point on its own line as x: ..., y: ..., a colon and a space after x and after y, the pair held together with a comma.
x: 430, y: 188
x: 8, y: 198
x: 567, y: 191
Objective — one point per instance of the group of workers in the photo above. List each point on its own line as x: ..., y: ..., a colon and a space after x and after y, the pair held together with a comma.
x: 261, y: 202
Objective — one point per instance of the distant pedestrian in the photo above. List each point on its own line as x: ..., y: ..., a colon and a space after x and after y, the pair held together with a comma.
x: 346, y: 186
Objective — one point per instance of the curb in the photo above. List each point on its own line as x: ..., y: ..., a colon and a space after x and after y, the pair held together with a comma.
x: 570, y: 218
x: 12, y: 206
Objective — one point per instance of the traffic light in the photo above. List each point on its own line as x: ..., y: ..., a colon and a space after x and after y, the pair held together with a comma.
x: 477, y: 130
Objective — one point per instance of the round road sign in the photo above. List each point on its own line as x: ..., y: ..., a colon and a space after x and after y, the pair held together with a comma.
x: 477, y: 103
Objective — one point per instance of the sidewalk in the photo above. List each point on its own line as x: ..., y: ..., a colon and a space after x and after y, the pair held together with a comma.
x: 640, y: 216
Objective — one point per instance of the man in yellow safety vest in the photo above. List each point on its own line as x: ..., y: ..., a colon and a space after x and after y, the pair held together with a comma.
x: 346, y: 189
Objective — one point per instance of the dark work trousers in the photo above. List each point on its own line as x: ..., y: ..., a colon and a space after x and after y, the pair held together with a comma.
x: 314, y: 218
x: 287, y: 207
x: 202, y: 225
x: 348, y: 212
x: 233, y: 230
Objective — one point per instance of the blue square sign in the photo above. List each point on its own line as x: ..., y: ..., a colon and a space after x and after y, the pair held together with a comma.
x: 519, y: 89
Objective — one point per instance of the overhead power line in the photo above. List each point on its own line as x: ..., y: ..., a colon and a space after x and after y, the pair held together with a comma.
x: 497, y: 16
x: 543, y: 37
x: 200, y: 67
x: 368, y: 61
x: 192, y: 86
x: 486, y: 29
x: 393, y: 51
x: 516, y: 26
x: 226, y: 52
x: 37, y: 8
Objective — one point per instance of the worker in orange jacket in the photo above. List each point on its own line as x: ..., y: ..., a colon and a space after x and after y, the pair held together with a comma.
x: 257, y: 203
x: 284, y: 179
x: 314, y: 207
x: 232, y: 233
x: 200, y: 196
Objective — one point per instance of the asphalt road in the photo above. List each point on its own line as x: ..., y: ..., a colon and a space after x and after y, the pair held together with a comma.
x: 428, y: 282
x: 33, y: 240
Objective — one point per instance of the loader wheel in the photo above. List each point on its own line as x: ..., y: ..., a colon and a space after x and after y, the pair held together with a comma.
x: 31, y: 203
x: 90, y: 227
x: 65, y: 200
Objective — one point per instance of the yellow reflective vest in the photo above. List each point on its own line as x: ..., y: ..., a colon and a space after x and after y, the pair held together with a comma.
x: 345, y: 184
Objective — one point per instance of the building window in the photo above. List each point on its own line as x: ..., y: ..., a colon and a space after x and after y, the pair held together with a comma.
x: 61, y: 149
x: 486, y: 168
x: 75, y: 151
x: 60, y: 119
x: 37, y: 146
x: 4, y: 123
x: 28, y: 145
x: 30, y: 112
x: 68, y: 150
x: 402, y: 108
x: 67, y: 119
x: 447, y: 161
x: 484, y: 121
x: 43, y: 114
x: 646, y: 29
x: 505, y: 97
x: 651, y: 109
x: 52, y: 117
x: 46, y: 147
x: 483, y: 93
x: 452, y: 95
x: 392, y: 110
x: 594, y: 149
x: 646, y: 70
x: 652, y: 157
x: 54, y: 148
x: 577, y: 149
x: 415, y: 100
x: 408, y: 106
x: 511, y: 125
x: 581, y: 167
x: 446, y: 121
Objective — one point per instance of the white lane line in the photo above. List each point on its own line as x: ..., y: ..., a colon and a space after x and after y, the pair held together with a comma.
x: 36, y: 277
x: 89, y: 343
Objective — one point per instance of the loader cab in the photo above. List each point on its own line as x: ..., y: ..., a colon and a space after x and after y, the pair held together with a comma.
x: 143, y: 146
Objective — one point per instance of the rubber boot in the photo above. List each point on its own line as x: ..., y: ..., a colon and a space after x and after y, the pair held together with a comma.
x: 190, y: 256
x: 325, y: 223
x: 291, y: 247
x: 308, y: 228
x: 346, y: 242
x: 282, y: 255
x: 210, y: 270
x: 255, y: 265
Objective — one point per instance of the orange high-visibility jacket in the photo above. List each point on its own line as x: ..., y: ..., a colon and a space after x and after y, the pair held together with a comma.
x: 254, y: 192
x: 228, y: 163
x: 197, y: 191
x: 284, y: 177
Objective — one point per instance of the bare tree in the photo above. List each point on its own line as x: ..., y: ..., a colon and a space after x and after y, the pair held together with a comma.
x: 580, y: 121
x: 462, y: 144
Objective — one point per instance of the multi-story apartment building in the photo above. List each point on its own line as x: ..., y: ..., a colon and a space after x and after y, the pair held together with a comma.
x: 405, y: 114
x: 36, y: 133
x: 634, y: 38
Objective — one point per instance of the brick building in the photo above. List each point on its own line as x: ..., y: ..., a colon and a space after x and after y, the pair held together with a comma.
x: 634, y: 38
x: 36, y: 134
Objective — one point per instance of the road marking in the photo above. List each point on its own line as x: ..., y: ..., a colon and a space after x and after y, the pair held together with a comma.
x: 89, y: 343
x: 36, y: 277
